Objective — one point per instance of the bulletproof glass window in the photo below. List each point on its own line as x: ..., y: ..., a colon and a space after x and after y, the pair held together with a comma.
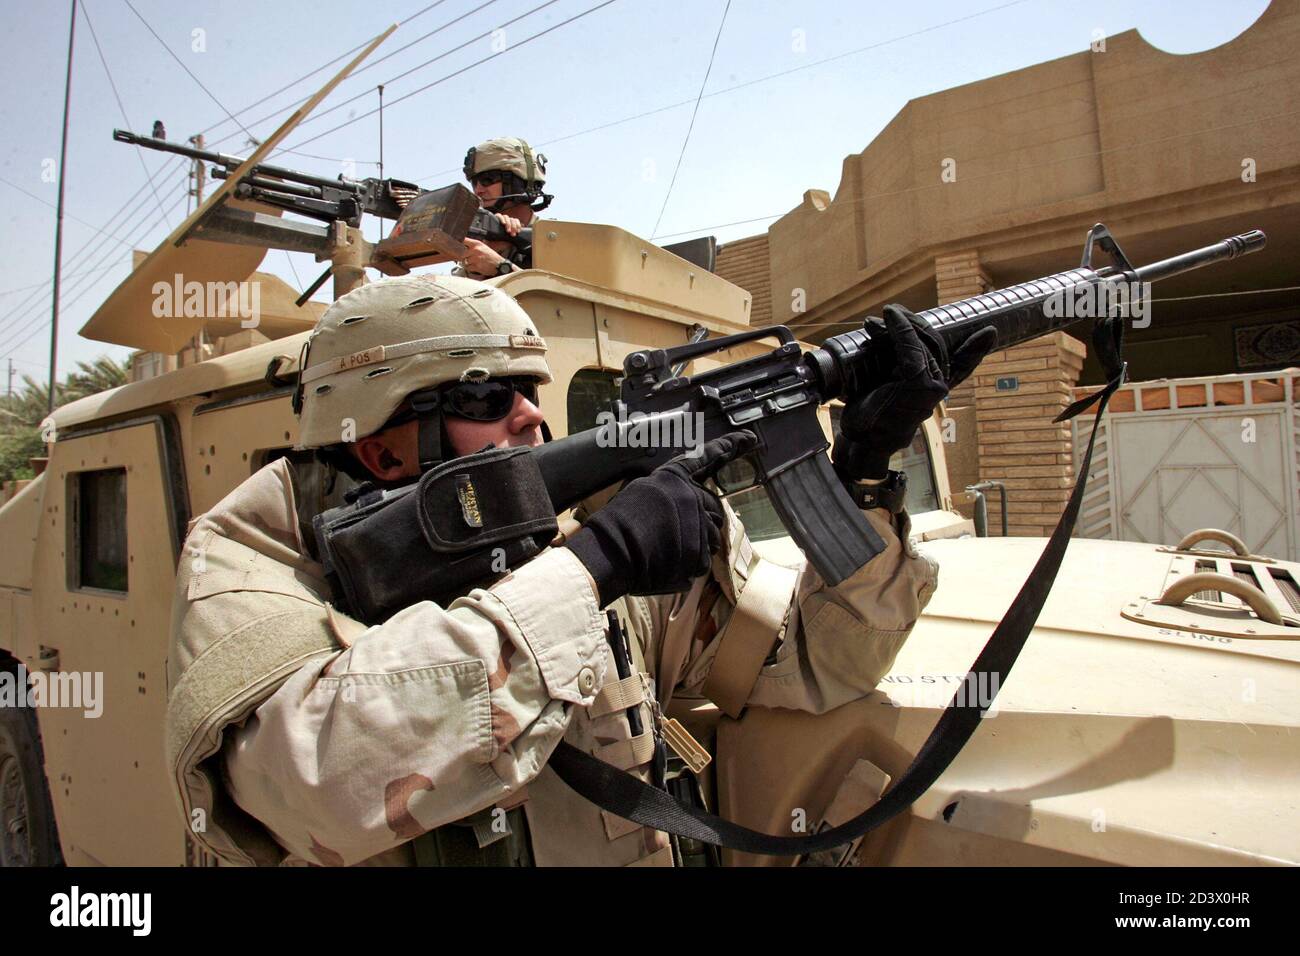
x: 914, y: 461
x: 592, y: 391
x: 97, y: 530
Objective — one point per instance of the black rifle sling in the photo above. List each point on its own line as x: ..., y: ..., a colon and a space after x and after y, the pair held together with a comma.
x: 623, y: 794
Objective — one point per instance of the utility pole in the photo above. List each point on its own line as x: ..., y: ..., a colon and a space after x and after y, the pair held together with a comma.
x: 58, y: 225
x: 11, y: 377
x: 198, y: 172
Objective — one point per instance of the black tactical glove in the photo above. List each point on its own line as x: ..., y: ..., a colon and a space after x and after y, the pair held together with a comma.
x: 884, y: 420
x: 659, y: 532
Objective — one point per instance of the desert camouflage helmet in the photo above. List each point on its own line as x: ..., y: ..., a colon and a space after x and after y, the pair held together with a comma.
x: 508, y: 153
x: 379, y: 343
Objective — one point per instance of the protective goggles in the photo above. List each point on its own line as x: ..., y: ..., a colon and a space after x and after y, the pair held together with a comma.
x: 486, y: 401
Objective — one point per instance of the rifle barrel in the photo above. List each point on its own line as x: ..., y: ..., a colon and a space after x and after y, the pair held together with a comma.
x: 1229, y: 248
x: 1017, y: 313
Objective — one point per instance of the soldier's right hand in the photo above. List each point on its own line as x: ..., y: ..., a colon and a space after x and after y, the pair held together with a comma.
x: 659, y: 532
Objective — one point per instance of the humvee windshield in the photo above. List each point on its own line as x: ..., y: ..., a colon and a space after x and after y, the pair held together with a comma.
x: 762, y: 523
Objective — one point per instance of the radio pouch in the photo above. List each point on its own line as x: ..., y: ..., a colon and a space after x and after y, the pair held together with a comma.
x: 462, y: 525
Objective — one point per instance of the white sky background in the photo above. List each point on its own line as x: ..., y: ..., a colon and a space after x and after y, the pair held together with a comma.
x: 752, y: 153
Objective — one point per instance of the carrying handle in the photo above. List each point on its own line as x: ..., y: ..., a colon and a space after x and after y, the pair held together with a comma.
x: 1185, y: 587
x: 1214, y: 534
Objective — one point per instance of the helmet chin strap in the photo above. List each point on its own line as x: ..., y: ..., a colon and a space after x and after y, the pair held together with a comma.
x: 434, y: 443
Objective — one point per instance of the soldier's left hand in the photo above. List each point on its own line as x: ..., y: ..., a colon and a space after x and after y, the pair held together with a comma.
x: 884, y: 420
x: 481, y: 259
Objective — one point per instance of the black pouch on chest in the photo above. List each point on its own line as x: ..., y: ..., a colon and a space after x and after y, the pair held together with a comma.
x: 463, y: 525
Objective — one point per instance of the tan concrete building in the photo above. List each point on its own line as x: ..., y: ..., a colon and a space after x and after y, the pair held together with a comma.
x: 997, y: 182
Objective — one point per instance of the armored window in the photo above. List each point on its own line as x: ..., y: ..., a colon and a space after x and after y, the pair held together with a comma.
x: 914, y: 461
x: 592, y: 391
x: 97, y: 512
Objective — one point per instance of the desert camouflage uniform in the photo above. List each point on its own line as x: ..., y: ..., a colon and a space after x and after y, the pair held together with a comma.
x: 355, y: 740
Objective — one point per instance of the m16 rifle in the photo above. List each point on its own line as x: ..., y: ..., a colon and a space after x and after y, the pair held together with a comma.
x: 776, y: 395
x: 431, y: 224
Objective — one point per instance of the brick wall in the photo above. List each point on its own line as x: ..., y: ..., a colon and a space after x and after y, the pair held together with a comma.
x: 960, y: 276
x: 745, y: 263
x: 1018, y: 444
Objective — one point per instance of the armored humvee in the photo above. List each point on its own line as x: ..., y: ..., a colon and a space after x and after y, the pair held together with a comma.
x: 1130, y: 732
x: 1149, y: 721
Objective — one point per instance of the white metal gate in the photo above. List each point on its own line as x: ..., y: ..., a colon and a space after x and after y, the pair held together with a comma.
x: 1182, y: 454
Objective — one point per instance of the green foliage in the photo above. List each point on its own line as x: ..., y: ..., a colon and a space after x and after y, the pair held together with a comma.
x: 22, y: 412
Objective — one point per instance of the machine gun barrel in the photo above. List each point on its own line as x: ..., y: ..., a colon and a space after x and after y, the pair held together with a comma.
x: 315, y: 196
x: 163, y: 146
x: 293, y: 175
x: 228, y: 164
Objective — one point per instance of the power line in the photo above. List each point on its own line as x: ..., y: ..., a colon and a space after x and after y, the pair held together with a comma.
x: 294, y: 268
x: 691, y: 126
x: 139, y: 150
x: 362, y: 69
x: 411, y: 19
x: 17, y: 314
x: 421, y: 66
x: 182, y: 65
x: 42, y: 285
x: 761, y: 79
x: 66, y: 215
x: 443, y: 79
x: 11, y: 345
x: 1220, y: 295
x: 127, y: 243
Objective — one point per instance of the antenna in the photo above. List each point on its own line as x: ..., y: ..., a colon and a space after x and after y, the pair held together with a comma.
x: 383, y: 223
x: 58, y: 227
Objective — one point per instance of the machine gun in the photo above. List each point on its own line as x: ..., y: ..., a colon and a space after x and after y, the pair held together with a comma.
x: 776, y: 395
x: 327, y: 200
x: 430, y: 228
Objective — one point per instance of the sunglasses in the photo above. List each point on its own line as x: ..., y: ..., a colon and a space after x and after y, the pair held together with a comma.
x: 486, y: 401
x: 489, y: 177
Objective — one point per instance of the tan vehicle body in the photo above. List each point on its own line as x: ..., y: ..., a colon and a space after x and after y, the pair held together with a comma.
x: 1113, y: 742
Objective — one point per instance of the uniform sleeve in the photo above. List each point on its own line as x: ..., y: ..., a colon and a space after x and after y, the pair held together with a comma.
x: 425, y: 719
x: 836, y: 643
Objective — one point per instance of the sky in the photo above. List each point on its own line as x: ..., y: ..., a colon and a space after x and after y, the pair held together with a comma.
x: 606, y: 90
